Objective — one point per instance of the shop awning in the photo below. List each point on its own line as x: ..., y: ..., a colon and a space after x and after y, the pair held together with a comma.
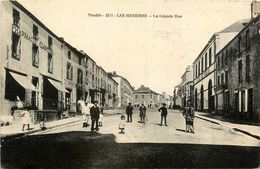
x: 24, y: 81
x: 58, y: 86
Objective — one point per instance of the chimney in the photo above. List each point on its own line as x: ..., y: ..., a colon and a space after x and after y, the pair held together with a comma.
x: 114, y: 73
x: 255, y: 8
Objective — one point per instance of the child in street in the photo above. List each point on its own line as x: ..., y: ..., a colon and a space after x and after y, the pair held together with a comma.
x: 122, y: 124
x: 42, y: 125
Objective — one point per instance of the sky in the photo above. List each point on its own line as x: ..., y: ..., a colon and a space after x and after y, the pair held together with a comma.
x: 149, y: 51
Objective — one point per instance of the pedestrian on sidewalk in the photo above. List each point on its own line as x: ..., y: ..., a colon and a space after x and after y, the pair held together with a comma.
x: 142, y: 114
x: 26, y: 118
x: 86, y: 114
x: 164, y: 113
x: 94, y: 113
x: 129, y: 112
x: 189, y: 115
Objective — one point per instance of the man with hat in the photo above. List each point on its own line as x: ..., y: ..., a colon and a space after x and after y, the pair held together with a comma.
x: 164, y: 113
x: 129, y: 112
x: 94, y: 113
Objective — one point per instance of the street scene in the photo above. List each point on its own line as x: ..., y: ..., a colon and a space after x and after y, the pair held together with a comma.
x: 143, y: 145
x: 120, y: 84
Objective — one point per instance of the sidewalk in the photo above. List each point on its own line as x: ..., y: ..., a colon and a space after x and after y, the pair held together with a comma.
x: 251, y: 130
x: 15, y: 130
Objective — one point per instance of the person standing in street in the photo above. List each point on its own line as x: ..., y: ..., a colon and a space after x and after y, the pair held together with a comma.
x: 164, y: 113
x: 189, y: 115
x: 26, y: 118
x: 129, y: 112
x: 142, y: 115
x: 94, y: 113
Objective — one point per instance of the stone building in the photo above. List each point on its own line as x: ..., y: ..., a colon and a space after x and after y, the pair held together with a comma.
x: 177, y: 96
x: 144, y: 95
x: 125, y: 90
x: 187, y: 86
x: 237, y: 72
x: 29, y: 51
x: 204, y: 67
x: 42, y: 69
x: 74, y: 75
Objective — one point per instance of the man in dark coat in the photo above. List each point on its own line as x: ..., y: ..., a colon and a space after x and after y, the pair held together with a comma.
x: 164, y: 113
x: 142, y: 115
x: 94, y: 113
x: 129, y: 112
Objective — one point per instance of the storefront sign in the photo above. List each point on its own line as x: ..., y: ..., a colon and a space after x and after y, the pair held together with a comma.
x: 25, y: 35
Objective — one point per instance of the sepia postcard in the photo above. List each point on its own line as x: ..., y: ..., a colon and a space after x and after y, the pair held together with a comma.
x: 129, y: 84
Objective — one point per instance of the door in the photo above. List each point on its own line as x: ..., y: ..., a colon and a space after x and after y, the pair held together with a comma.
x: 250, y: 103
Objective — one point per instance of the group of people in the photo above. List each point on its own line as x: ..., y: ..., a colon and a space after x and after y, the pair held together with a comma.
x: 188, y: 114
x: 96, y: 115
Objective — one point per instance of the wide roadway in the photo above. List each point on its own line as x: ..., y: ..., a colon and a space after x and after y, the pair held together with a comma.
x: 146, y: 145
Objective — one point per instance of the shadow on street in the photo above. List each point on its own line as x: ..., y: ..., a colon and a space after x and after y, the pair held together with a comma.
x: 81, y: 149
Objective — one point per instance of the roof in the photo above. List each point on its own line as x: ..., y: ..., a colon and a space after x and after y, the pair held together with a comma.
x: 116, y: 75
x: 239, y: 33
x: 143, y: 89
x: 236, y: 26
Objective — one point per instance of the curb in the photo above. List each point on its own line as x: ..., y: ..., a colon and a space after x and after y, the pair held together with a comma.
x: 247, y: 133
x: 208, y: 120
x: 235, y: 129
x: 14, y: 136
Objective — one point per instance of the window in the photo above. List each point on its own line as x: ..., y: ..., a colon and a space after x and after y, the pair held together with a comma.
x: 80, y: 76
x: 16, y: 46
x: 143, y: 96
x: 80, y: 60
x: 50, y: 42
x: 35, y: 55
x: 151, y: 96
x: 202, y: 59
x: 218, y: 80
x: 248, y: 67
x: 240, y: 71
x: 222, y: 59
x: 136, y: 96
x: 210, y: 56
x: 199, y: 68
x: 69, y: 71
x: 226, y: 57
x: 226, y: 77
x: 16, y: 18
x: 239, y: 45
x: 196, y: 71
x: 35, y: 32
x: 206, y: 61
x: 69, y: 54
x: 222, y: 78
x: 247, y: 40
x: 50, y: 63
x: 50, y: 56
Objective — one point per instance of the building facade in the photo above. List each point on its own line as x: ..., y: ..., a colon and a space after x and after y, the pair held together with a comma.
x: 204, y: 67
x: 187, y: 86
x: 29, y: 51
x: 43, y: 70
x: 125, y: 90
x: 144, y: 95
x: 177, y: 101
x: 237, y: 73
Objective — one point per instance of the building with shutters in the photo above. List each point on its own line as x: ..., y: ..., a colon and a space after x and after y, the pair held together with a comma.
x: 204, y: 67
x: 237, y: 72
